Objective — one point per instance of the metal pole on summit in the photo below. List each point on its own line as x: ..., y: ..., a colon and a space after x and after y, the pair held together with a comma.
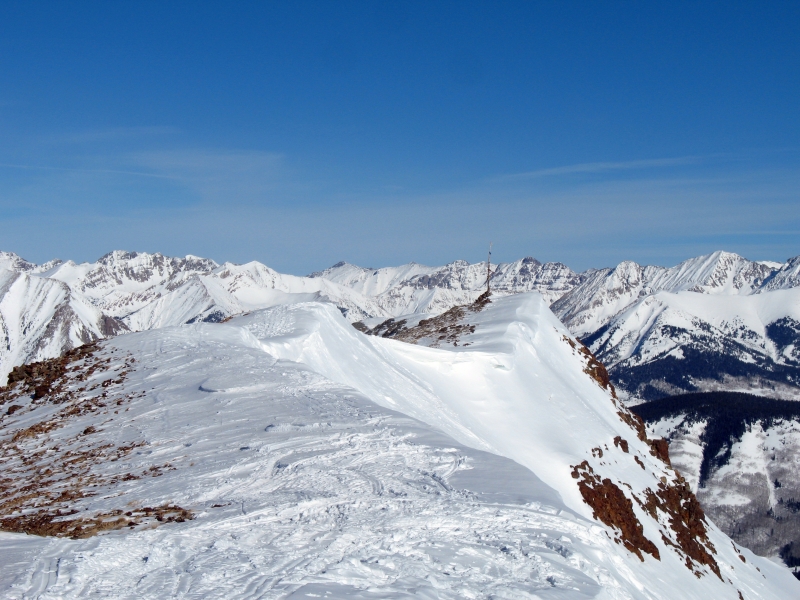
x: 488, y: 267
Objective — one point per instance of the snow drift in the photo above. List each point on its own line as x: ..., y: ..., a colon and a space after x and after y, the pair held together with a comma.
x: 311, y: 460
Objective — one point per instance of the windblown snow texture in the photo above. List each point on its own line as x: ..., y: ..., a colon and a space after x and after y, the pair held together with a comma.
x: 311, y: 460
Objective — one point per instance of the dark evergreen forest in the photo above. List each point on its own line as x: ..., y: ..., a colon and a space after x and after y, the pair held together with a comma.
x: 728, y: 414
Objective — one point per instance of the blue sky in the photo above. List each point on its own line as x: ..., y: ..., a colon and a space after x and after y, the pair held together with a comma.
x: 304, y: 133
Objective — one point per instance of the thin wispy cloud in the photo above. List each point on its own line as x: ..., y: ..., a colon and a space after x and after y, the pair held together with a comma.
x: 216, y: 173
x: 83, y: 170
x: 206, y: 172
x: 110, y: 134
x: 601, y: 167
x: 239, y: 204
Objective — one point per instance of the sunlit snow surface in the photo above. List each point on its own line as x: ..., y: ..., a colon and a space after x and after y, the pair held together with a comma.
x: 324, y: 463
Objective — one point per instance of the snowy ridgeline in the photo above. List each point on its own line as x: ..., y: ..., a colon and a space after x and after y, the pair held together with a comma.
x: 285, y: 454
x: 713, y: 322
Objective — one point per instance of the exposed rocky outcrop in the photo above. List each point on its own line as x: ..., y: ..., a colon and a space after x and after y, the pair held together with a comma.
x: 686, y: 520
x: 611, y: 506
x: 448, y: 328
x: 42, y: 477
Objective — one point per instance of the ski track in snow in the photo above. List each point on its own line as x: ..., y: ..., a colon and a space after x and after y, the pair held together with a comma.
x: 319, y: 490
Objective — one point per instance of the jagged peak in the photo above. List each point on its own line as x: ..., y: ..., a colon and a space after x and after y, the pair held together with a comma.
x: 14, y: 262
x: 227, y: 269
x: 627, y: 270
x: 341, y: 265
x: 460, y: 263
x: 117, y: 256
x: 51, y: 264
x: 528, y: 261
x: 723, y: 254
x: 716, y: 259
x: 773, y: 264
x: 123, y: 256
x: 788, y: 276
x: 791, y: 262
x: 254, y: 264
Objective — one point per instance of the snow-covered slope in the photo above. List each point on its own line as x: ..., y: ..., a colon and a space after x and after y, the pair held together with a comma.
x: 713, y: 322
x: 284, y: 454
x: 788, y: 276
x: 371, y: 282
x: 12, y: 262
x: 670, y: 343
x: 122, y: 282
x: 551, y: 280
x: 716, y: 273
x: 233, y: 289
x: 606, y: 292
x: 692, y: 327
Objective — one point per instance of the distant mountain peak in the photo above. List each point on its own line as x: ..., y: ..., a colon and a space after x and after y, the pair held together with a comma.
x: 116, y: 256
x: 14, y: 262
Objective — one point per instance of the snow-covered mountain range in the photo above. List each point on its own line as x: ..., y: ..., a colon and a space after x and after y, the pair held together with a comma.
x: 47, y: 309
x: 414, y: 288
x: 284, y: 454
x: 714, y: 322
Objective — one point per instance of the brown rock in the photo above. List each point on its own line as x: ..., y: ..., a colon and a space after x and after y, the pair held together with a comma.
x: 610, y: 505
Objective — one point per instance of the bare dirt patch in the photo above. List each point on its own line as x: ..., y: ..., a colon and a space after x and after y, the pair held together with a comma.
x: 50, y: 463
x: 58, y: 524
